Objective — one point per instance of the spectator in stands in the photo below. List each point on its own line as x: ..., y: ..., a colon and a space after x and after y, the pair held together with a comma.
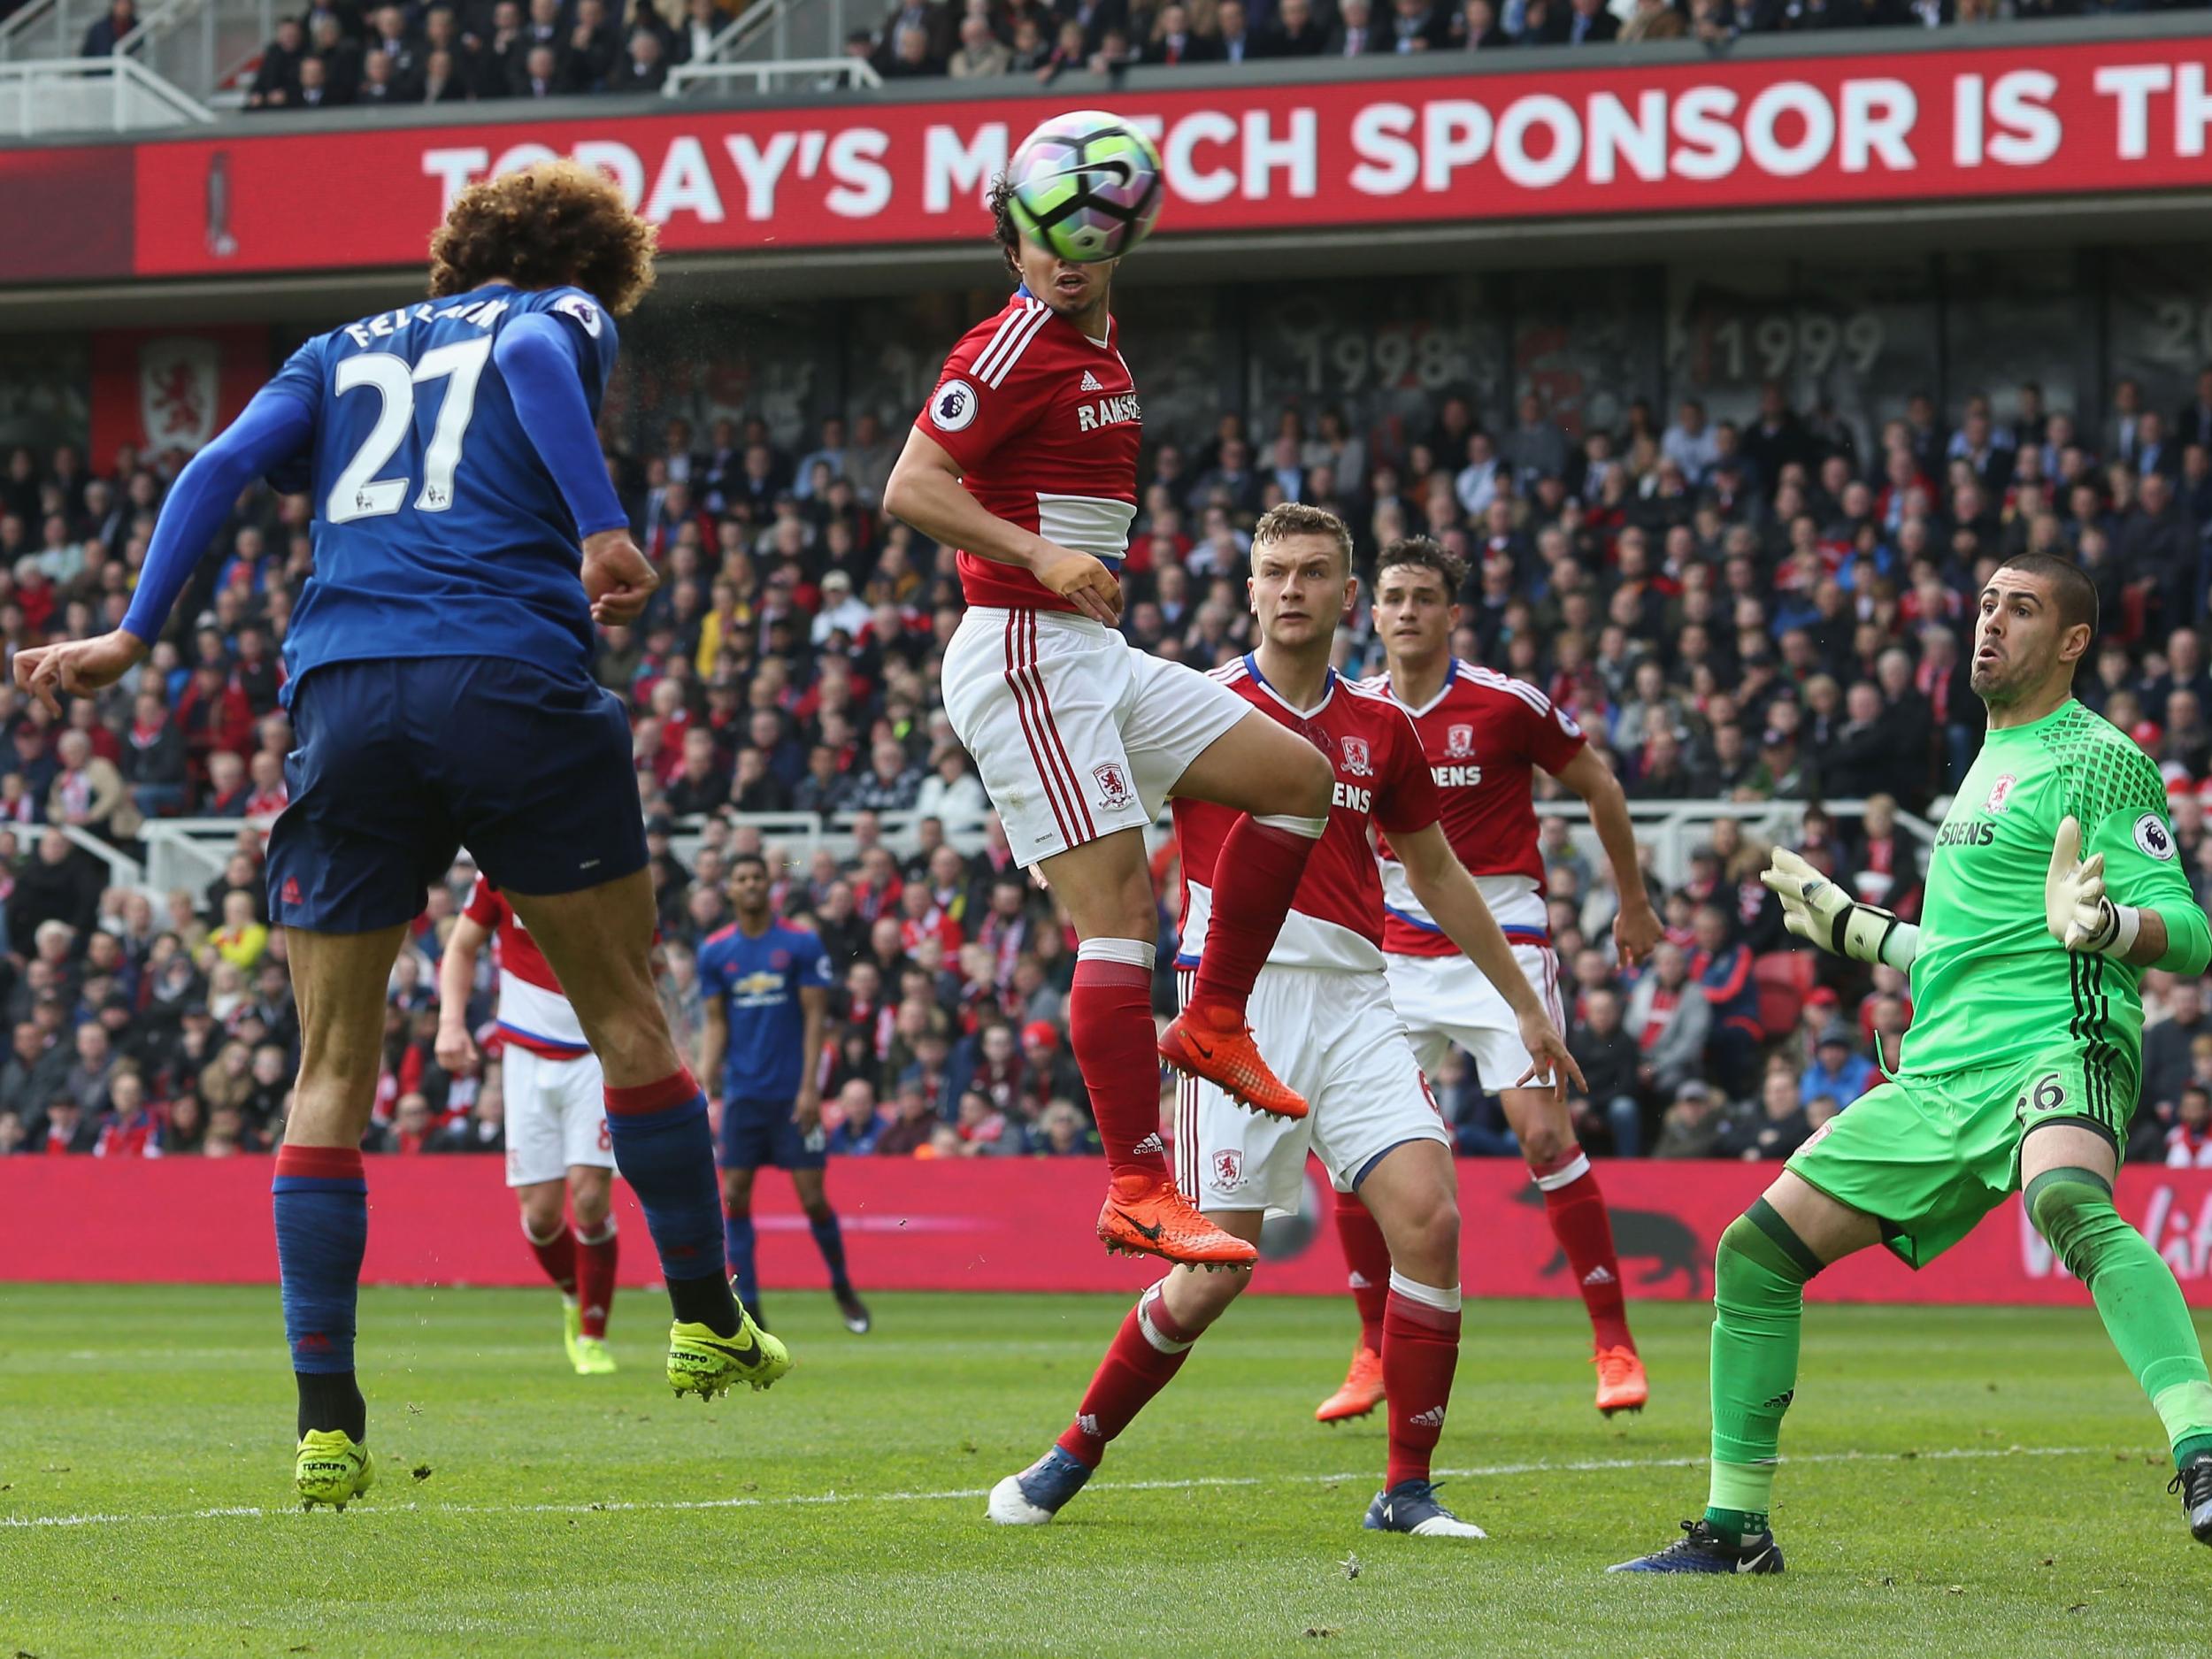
x: 1838, y: 1070
x: 1692, y: 1125
x: 1780, y: 1124
x: 107, y: 32
x: 2189, y: 1142
x: 276, y: 78
x: 981, y: 56
x: 1355, y: 33
x: 1612, y: 1064
x: 1670, y: 1018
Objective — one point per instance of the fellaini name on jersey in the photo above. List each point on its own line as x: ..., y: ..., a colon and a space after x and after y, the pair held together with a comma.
x: 1109, y: 412
x: 384, y: 325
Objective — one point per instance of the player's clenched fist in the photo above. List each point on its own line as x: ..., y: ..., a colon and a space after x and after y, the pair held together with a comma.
x: 618, y: 578
x: 77, y: 665
x: 1082, y: 580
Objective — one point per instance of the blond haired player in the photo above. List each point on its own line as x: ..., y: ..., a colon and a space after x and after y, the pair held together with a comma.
x: 1323, y: 1004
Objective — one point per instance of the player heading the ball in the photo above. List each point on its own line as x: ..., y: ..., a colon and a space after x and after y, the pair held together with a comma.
x: 1025, y: 459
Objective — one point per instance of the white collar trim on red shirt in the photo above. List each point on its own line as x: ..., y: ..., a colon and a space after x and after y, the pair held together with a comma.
x: 1451, y: 677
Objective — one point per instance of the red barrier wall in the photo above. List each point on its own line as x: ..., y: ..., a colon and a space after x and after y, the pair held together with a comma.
x: 988, y: 1225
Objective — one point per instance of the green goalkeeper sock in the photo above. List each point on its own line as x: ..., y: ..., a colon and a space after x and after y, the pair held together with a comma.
x: 2136, y: 1296
x: 1759, y: 1279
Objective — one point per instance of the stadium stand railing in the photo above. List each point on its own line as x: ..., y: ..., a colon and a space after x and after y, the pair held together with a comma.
x: 76, y: 95
x: 820, y: 74
x: 772, y: 30
x: 191, y: 852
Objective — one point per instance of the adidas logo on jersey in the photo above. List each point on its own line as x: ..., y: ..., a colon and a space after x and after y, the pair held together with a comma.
x: 1432, y: 1418
x: 1597, y: 1276
x: 1091, y: 383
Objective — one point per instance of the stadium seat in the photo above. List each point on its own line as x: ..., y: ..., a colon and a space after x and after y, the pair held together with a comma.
x: 1785, y: 978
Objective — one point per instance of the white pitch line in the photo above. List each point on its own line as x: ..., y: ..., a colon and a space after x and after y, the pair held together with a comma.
x: 964, y: 1493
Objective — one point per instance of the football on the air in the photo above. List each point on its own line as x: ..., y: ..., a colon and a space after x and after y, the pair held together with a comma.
x: 1086, y: 185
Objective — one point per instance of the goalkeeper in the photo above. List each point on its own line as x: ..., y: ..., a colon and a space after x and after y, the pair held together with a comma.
x: 2020, y: 1071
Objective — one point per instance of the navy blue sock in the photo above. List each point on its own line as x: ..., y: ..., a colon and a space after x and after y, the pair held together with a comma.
x: 737, y: 1248
x: 663, y: 1148
x: 321, y: 1202
x: 831, y: 1241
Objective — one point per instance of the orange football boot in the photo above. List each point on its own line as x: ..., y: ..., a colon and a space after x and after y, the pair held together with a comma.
x: 1360, y: 1392
x: 1145, y: 1214
x: 1217, y: 1046
x: 1622, y: 1385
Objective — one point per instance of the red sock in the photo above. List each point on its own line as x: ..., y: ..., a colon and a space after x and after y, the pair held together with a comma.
x: 1254, y: 879
x: 1420, y: 1351
x: 1584, y: 1231
x: 1109, y: 1028
x: 1143, y: 1357
x: 1369, y: 1258
x: 557, y: 1255
x: 595, y: 1276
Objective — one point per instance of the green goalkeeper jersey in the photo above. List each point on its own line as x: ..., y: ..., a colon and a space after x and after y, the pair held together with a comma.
x: 1991, y: 984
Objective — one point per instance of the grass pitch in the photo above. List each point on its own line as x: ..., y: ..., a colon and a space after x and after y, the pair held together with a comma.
x: 1964, y: 1482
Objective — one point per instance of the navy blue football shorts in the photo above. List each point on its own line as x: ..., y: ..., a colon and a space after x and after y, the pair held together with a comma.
x: 757, y: 1132
x: 397, y: 764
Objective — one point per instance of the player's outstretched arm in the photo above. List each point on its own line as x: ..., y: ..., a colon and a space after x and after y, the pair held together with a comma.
x: 1449, y: 894
x: 2170, y: 933
x: 1636, y: 929
x: 273, y: 427
x: 456, y: 978
x: 925, y: 490
x: 1816, y: 909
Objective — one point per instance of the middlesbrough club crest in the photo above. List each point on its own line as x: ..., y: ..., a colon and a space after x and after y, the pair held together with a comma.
x: 1113, y: 788
x: 2001, y: 794
x: 1355, y: 756
x: 1459, y: 741
x: 1228, y: 1168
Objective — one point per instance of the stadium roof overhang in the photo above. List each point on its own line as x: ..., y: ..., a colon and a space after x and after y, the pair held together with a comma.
x: 2028, y: 136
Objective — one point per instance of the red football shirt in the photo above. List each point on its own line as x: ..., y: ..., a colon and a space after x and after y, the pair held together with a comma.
x: 1484, y: 735
x: 533, y: 1010
x: 1336, y: 919
x: 1043, y: 420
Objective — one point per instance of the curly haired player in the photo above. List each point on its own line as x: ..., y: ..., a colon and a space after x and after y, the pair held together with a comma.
x: 440, y: 682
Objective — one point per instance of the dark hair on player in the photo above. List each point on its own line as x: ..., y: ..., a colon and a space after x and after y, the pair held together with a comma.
x: 738, y: 861
x: 1288, y: 519
x: 1003, y: 230
x: 1426, y: 554
x: 557, y: 224
x: 2070, y: 587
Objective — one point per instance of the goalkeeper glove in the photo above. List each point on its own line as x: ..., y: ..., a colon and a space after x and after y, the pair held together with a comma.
x: 2080, y: 917
x: 1816, y: 909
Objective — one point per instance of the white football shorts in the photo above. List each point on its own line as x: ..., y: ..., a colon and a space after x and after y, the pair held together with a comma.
x: 1445, y: 1000
x: 1332, y: 1035
x: 557, y: 1115
x: 1075, y: 733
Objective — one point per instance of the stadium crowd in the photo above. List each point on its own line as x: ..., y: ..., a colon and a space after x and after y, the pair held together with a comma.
x: 450, y: 51
x: 1764, y: 611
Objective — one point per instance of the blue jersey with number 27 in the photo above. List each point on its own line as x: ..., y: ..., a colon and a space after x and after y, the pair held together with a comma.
x: 438, y: 530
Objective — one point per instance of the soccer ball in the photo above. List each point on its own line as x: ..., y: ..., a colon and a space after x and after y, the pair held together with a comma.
x: 1086, y: 185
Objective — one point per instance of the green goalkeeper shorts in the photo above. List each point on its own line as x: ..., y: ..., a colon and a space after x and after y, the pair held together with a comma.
x: 1930, y: 1156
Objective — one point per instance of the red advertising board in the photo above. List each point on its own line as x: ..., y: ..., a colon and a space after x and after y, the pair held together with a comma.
x: 993, y: 1224
x: 1620, y: 137
x: 1615, y: 134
